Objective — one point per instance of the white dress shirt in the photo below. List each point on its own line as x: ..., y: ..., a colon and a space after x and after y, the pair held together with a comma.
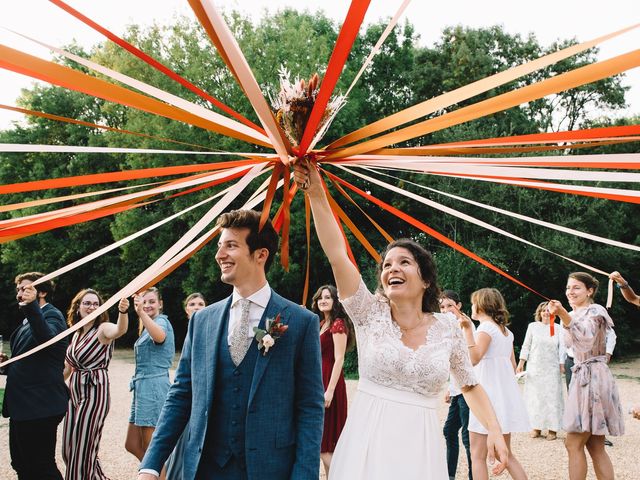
x: 259, y: 301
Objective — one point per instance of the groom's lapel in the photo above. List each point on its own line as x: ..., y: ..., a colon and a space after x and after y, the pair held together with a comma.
x: 275, y: 306
x: 214, y: 336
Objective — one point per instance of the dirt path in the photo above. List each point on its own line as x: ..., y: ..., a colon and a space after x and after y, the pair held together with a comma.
x: 540, y: 458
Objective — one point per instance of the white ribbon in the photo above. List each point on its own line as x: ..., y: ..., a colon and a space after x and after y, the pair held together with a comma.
x: 169, y: 98
x: 171, y: 257
x: 553, y: 226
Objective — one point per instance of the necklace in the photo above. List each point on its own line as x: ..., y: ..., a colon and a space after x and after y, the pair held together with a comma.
x: 419, y: 324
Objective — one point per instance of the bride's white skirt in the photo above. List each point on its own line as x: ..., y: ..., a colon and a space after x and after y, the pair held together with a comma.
x: 390, y: 435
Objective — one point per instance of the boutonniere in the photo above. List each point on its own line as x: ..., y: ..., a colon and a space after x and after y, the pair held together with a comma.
x: 267, y: 338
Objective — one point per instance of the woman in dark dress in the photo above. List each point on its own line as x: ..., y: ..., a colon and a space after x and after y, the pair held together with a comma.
x: 336, y: 337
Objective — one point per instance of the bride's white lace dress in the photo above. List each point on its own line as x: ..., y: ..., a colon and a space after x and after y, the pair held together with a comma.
x: 392, y: 430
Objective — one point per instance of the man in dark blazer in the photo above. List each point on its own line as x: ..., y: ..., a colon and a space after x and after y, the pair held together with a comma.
x: 253, y: 415
x: 36, y: 395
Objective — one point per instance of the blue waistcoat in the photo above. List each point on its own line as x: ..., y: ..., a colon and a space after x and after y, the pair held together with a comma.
x: 226, y: 429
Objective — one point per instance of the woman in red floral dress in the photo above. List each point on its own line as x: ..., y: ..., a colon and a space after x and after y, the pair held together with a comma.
x: 336, y: 337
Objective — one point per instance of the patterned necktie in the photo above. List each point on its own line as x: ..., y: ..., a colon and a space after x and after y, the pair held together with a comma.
x: 240, y: 339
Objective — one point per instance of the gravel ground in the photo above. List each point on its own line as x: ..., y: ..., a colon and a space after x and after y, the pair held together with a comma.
x: 541, y: 459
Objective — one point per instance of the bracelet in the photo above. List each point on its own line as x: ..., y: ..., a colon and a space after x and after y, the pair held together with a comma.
x: 124, y: 313
x: 624, y: 287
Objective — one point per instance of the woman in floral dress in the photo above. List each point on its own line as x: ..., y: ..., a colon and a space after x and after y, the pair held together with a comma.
x: 86, y: 364
x: 592, y: 409
x: 542, y: 354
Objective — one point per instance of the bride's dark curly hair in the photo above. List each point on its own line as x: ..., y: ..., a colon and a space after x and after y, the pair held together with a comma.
x: 426, y: 269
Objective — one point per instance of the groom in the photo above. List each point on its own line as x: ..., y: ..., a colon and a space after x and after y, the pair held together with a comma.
x: 247, y: 413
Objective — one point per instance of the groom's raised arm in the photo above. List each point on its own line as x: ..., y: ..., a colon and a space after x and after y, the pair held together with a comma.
x: 309, y: 402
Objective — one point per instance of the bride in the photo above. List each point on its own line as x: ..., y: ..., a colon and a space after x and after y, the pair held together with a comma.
x: 405, y: 354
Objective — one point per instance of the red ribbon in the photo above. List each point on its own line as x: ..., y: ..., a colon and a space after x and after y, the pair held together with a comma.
x: 430, y: 231
x: 155, y: 64
x: 347, y: 36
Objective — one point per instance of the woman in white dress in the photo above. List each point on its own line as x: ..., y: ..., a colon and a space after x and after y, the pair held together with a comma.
x: 491, y: 351
x: 542, y: 354
x: 405, y: 353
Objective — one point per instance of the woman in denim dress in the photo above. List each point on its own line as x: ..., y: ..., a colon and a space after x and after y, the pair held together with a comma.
x: 154, y: 351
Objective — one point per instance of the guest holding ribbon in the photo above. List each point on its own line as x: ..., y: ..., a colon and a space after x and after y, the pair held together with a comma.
x: 154, y: 351
x: 336, y: 337
x: 86, y: 364
x: 592, y: 409
x: 406, y: 349
x: 192, y: 304
x: 543, y: 356
x: 458, y: 414
x: 491, y: 351
x: 627, y: 292
x: 36, y: 397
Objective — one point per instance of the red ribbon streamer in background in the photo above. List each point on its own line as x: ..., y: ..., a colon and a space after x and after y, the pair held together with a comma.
x: 584, y: 134
x: 430, y: 231
x: 341, y: 50
x: 155, y: 64
x: 108, y: 177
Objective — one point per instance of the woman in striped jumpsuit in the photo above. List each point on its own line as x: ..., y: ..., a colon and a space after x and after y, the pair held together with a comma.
x: 86, y: 364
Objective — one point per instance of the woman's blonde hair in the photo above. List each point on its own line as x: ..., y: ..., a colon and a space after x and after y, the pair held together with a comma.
x: 491, y: 302
x: 541, y: 308
x: 142, y: 294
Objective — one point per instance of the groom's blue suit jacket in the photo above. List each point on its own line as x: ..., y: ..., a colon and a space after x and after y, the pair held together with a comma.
x: 286, y: 400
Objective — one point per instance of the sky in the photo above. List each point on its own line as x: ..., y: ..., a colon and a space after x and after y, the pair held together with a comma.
x: 549, y: 20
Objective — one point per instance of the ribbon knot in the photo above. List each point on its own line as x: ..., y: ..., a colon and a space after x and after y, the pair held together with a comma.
x: 582, y: 370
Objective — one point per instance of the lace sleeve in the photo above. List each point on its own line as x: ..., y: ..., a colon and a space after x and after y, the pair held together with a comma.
x: 460, y: 363
x: 359, y: 304
x: 338, y: 326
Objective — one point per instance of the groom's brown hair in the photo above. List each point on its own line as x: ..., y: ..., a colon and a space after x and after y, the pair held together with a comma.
x: 265, y: 237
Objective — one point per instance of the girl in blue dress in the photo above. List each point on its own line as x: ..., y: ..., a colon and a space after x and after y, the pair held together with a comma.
x: 154, y: 351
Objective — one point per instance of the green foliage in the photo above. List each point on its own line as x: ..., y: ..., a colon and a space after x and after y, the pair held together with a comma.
x: 403, y: 74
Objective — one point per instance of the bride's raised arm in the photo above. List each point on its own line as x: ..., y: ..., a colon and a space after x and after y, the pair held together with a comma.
x: 345, y: 273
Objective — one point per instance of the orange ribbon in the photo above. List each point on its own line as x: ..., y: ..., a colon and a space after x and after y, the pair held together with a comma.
x: 109, y: 177
x: 155, y: 64
x: 346, y: 37
x: 307, y: 222
x: 466, y: 92
x: 66, y: 77
x: 430, y: 231
x: 559, y: 83
x: 59, y: 118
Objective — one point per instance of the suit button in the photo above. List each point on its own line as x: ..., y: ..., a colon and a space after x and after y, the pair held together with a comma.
x: 235, y: 406
x: 234, y: 439
x: 234, y: 422
x: 236, y: 373
x: 236, y: 389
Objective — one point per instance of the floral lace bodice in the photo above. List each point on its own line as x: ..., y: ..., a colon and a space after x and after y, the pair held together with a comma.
x: 385, y: 360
